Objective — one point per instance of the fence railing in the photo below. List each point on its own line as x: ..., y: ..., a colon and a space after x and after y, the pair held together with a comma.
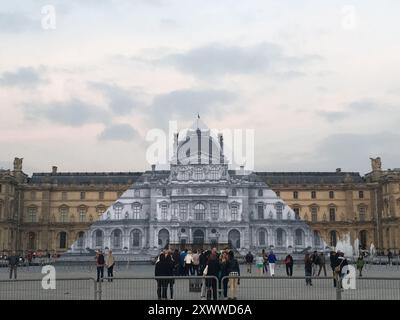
x: 197, y: 288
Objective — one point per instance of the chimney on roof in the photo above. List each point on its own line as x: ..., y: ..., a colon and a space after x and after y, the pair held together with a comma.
x: 338, y: 170
x: 54, y: 170
x: 153, y: 167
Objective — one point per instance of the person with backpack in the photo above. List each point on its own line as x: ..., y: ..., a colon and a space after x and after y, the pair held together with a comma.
x: 289, y: 265
x: 100, y: 265
x: 249, y: 261
x: 233, y: 270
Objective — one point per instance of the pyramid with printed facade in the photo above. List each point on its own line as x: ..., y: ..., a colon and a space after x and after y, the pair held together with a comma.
x: 198, y: 203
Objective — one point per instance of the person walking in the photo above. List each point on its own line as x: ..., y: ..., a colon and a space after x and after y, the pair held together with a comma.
x: 249, y: 261
x: 271, y: 262
x: 196, y: 262
x: 289, y: 265
x: 13, y: 261
x: 100, y: 265
x: 234, y: 274
x: 308, y: 269
x: 360, y: 264
x: 333, y: 259
x: 260, y: 264
x: 315, y: 262
x: 110, y: 262
x: 322, y: 264
x: 265, y: 261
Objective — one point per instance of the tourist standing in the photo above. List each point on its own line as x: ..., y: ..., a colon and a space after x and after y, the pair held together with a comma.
x: 188, y: 264
x: 170, y: 267
x: 13, y: 261
x: 249, y: 261
x: 161, y: 270
x: 224, y: 259
x: 234, y: 274
x: 182, y: 262
x: 100, y: 265
x: 289, y: 265
x: 390, y: 257
x: 308, y: 267
x: 360, y: 264
x: 271, y: 262
x: 265, y: 261
x: 213, y: 268
x: 333, y: 258
x: 202, y: 261
x: 322, y: 264
x: 196, y: 262
x: 110, y: 262
x: 315, y: 262
x: 175, y: 258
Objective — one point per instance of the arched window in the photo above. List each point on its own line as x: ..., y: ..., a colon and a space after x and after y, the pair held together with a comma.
x: 62, y: 240
x: 136, y: 237
x: 332, y: 214
x: 333, y: 238
x: 116, y: 237
x: 98, y: 239
x: 262, y: 237
x: 299, y: 237
x: 163, y: 238
x: 316, y: 238
x: 234, y: 239
x: 199, y: 212
x: 280, y: 238
x: 81, y: 239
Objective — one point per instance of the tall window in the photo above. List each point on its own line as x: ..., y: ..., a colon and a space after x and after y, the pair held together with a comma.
x: 64, y: 196
x: 198, y: 173
x: 199, y: 212
x: 183, y: 211
x: 33, y: 195
x: 262, y: 236
x: 136, y: 211
x: 362, y: 212
x: 214, y: 211
x: 136, y: 236
x: 100, y: 210
x: 117, y: 238
x: 316, y: 238
x: 299, y: 237
x: 314, y: 214
x: 295, y: 194
x: 82, y: 214
x: 81, y: 238
x: 235, y: 212
x: 164, y: 192
x: 332, y: 214
x: 164, y: 211
x: 83, y: 195
x: 64, y: 214
x: 63, y: 240
x: 234, y: 192
x: 32, y: 214
x: 214, y: 174
x: 280, y: 237
x: 361, y: 194
x: 279, y: 209
x: 260, y: 211
x: 313, y: 194
x: 331, y: 194
x: 333, y: 238
x: 99, y: 238
x: 101, y: 195
x: 118, y: 211
x: 260, y: 192
x: 296, y: 213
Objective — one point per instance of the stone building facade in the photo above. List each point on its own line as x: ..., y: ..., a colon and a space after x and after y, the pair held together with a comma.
x: 51, y: 211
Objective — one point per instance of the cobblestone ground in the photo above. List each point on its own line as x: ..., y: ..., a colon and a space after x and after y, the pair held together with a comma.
x: 79, y: 285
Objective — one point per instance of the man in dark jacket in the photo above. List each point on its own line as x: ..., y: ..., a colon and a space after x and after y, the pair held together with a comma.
x: 100, y: 261
x: 213, y: 270
x: 249, y: 261
x: 13, y: 261
x: 234, y: 274
x: 333, y: 258
x: 289, y: 265
x: 162, y: 269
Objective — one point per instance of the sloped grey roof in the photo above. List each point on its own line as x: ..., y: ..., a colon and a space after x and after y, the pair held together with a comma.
x: 273, y: 178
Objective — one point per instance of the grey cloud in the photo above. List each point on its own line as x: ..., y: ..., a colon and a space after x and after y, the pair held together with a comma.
x: 353, y: 150
x: 185, y: 104
x: 217, y: 60
x: 364, y: 105
x: 120, y: 100
x: 22, y: 77
x: 122, y: 132
x: 73, y: 113
x: 332, y: 116
x: 13, y: 22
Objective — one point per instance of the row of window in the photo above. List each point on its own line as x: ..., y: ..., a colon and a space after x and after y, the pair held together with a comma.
x: 313, y: 194
x: 64, y: 195
x: 32, y: 214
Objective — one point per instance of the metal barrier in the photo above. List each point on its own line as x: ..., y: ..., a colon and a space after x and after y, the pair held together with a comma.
x: 153, y: 288
x: 197, y: 287
x: 32, y: 289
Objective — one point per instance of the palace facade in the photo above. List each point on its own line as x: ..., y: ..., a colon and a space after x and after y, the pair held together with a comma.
x: 56, y: 211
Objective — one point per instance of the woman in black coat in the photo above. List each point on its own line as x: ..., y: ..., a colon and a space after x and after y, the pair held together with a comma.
x: 162, y: 269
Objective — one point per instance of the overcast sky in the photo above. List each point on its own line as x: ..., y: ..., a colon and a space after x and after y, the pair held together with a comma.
x: 318, y: 81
